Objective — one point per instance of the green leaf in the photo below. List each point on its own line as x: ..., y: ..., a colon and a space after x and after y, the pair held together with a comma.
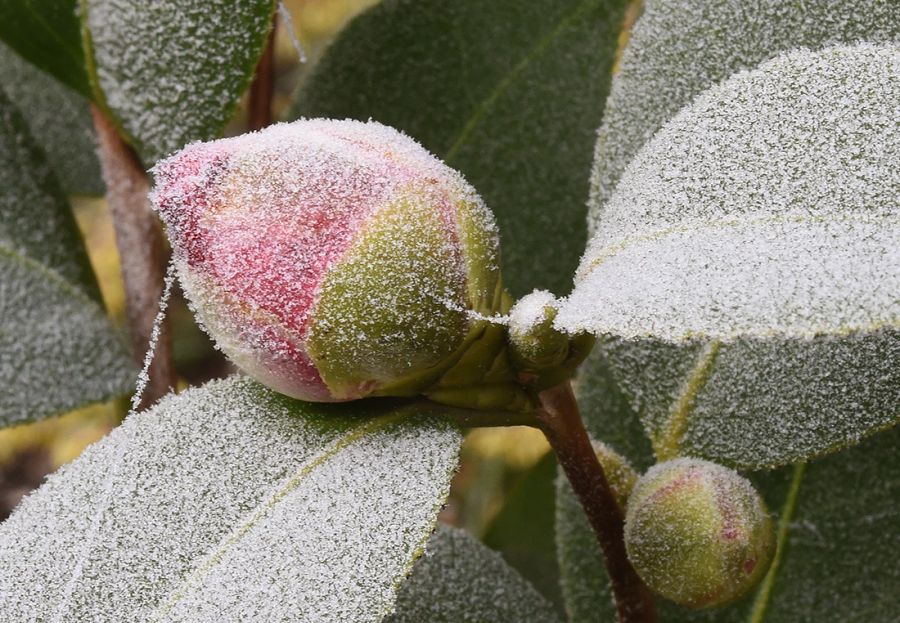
x: 459, y: 580
x: 508, y: 92
x: 46, y: 33
x: 837, y: 552
x: 747, y: 272
x: 59, y: 120
x: 172, y: 71
x: 58, y: 350
x: 231, y: 502
x: 523, y: 529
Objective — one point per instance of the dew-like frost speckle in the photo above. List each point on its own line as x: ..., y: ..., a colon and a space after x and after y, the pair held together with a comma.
x: 459, y: 580
x: 233, y: 503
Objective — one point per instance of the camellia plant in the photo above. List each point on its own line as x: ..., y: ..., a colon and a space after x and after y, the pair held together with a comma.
x: 711, y: 346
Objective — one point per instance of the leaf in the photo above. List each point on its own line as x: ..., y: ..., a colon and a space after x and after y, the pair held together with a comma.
x: 750, y: 253
x: 838, y: 554
x: 523, y: 529
x: 680, y: 48
x: 459, y: 580
x: 59, y: 120
x: 58, y: 350
x: 231, y: 502
x: 172, y: 71
x: 507, y: 92
x: 46, y: 33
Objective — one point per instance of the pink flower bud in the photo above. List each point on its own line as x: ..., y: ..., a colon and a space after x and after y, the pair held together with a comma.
x: 331, y: 260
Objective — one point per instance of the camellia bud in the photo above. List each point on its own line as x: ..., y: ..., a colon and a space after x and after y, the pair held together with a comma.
x: 698, y: 533
x: 543, y: 355
x: 333, y: 260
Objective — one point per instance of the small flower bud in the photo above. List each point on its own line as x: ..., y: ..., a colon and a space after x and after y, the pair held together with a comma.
x: 534, y: 340
x: 331, y: 260
x: 543, y: 355
x: 698, y: 533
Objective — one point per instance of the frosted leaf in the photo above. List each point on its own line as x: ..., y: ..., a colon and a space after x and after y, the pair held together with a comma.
x: 459, y: 580
x: 59, y: 120
x: 764, y: 218
x: 508, y: 92
x: 172, y: 71
x: 58, y: 351
x: 231, y: 502
x: 680, y: 48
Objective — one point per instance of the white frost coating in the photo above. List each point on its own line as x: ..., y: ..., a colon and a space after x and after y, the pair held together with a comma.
x: 769, y: 206
x: 530, y: 311
x: 144, y: 376
x: 459, y: 580
x: 235, y: 504
x: 172, y: 71
x: 680, y: 48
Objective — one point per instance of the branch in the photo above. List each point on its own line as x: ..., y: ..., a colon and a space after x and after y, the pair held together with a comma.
x: 565, y: 431
x: 142, y: 250
x: 259, y: 108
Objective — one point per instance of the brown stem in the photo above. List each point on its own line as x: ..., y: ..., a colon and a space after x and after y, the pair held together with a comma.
x: 565, y: 431
x: 142, y: 250
x: 259, y: 108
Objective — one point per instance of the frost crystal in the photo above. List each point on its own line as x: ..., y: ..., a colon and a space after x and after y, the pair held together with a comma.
x: 763, y: 215
x: 231, y: 503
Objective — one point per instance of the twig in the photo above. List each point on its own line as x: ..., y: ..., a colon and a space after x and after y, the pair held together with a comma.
x: 259, y: 108
x: 565, y: 431
x: 142, y: 250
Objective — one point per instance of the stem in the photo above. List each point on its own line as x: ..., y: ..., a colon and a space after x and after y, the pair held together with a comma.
x: 259, y: 108
x: 142, y: 250
x: 565, y: 431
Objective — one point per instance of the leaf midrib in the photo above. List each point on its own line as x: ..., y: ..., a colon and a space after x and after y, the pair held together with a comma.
x: 263, y: 508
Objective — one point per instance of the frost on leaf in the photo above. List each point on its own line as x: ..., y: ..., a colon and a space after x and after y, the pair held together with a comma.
x: 233, y: 503
x: 57, y: 348
x: 59, y: 120
x: 758, y: 232
x: 680, y: 48
x: 172, y: 71
x: 459, y: 580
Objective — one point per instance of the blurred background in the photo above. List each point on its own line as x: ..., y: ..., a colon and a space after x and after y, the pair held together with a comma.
x: 505, y: 473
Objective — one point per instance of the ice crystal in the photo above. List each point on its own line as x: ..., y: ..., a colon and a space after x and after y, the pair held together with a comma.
x: 231, y: 503
x: 459, y: 580
x: 764, y: 216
